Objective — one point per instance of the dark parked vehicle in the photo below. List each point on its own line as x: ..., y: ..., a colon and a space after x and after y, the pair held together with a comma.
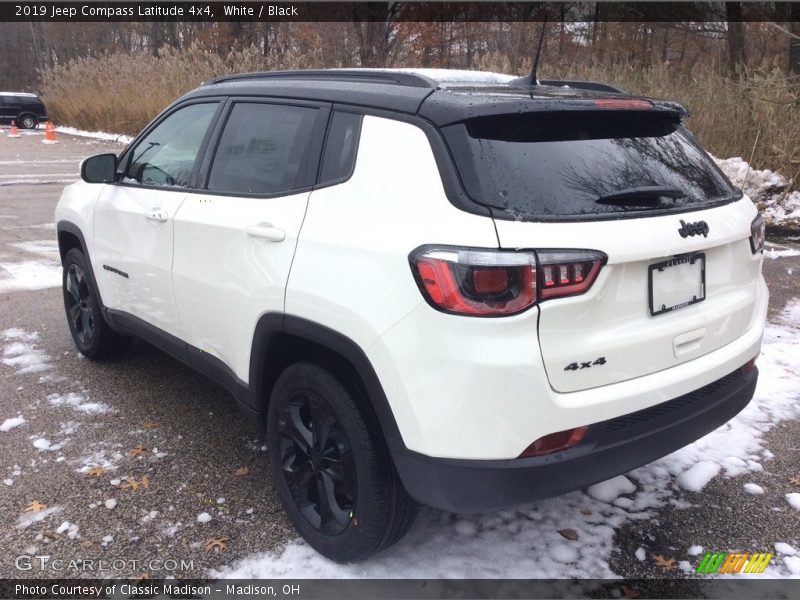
x: 26, y: 110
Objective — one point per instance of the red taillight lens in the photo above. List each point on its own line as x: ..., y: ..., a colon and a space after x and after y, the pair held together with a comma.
x: 555, y: 442
x: 623, y: 103
x: 498, y: 283
x: 567, y: 273
x: 479, y: 283
x: 749, y: 366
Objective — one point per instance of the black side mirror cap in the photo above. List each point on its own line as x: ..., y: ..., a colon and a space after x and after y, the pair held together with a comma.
x: 100, y: 168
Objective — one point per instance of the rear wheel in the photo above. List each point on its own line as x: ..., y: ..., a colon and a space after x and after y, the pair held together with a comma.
x: 334, y: 474
x: 28, y: 122
x: 91, y: 334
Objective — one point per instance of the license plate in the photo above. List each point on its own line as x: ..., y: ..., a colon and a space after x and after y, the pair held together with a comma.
x: 678, y: 282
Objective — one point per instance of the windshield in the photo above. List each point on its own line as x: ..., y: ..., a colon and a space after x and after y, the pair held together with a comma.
x: 535, y: 170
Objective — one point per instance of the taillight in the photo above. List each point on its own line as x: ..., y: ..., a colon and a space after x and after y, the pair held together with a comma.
x: 494, y: 283
x: 567, y: 272
x: 555, y: 442
x: 757, y: 234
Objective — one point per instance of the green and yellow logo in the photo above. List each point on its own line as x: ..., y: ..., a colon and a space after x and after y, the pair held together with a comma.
x: 734, y: 562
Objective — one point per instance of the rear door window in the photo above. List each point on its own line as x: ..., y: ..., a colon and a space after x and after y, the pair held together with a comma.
x: 265, y: 149
x: 587, y: 166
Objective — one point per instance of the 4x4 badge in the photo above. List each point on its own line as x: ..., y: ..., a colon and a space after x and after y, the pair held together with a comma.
x: 695, y: 228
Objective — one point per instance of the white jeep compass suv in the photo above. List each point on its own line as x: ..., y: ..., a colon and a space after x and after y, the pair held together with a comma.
x: 464, y: 291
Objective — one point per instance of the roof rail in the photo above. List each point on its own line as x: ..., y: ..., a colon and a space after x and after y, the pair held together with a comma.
x: 594, y: 86
x: 360, y: 75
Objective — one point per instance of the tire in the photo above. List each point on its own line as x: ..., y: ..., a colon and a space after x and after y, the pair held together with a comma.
x: 90, y: 332
x: 28, y: 121
x: 336, y: 480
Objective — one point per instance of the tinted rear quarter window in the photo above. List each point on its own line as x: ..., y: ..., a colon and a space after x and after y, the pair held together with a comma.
x: 341, y: 148
x: 264, y: 149
x: 528, y: 167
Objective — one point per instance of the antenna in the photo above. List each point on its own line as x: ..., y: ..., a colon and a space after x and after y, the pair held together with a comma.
x: 531, y: 78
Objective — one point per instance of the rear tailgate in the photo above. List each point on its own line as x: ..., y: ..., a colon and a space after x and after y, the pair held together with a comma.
x: 680, y: 278
x: 609, y: 334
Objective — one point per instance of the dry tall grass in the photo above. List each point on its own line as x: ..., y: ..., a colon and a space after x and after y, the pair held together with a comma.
x: 121, y: 93
x: 757, y: 117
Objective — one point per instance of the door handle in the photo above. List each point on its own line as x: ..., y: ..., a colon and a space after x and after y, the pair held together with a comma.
x: 266, y: 231
x: 156, y: 215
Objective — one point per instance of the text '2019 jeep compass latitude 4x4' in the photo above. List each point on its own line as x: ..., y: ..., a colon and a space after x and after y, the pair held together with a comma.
x: 447, y: 288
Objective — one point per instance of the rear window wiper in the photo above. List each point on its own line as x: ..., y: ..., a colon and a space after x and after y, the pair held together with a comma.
x: 640, y: 196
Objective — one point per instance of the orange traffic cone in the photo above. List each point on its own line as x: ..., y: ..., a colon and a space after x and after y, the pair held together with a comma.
x: 14, y: 132
x: 49, y: 133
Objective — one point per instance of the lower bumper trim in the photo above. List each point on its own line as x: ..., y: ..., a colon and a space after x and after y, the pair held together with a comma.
x: 610, y: 448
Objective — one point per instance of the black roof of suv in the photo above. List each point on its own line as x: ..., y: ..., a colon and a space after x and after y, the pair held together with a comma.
x: 456, y: 96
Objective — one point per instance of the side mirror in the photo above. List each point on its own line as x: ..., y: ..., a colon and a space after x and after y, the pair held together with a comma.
x: 99, y: 169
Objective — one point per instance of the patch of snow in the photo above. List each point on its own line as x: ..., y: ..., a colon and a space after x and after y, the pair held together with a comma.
x: 71, y: 529
x: 696, y: 477
x: 784, y: 548
x: 608, y: 491
x: 9, y: 424
x: 27, y: 519
x: 753, y: 488
x: 640, y: 554
x: 203, y: 517
x: 792, y: 563
x: 47, y: 248
x: 694, y: 550
x: 22, y: 353
x: 8, y: 481
x: 95, y: 135
x: 767, y: 189
x: 79, y: 403
x: 111, y: 503
x: 29, y: 275
x: 107, y: 539
x: 685, y: 566
x: 148, y: 517
x: 794, y: 500
x: 44, y: 444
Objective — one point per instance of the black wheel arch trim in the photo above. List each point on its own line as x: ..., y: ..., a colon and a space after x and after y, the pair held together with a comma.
x: 72, y: 229
x: 272, y: 325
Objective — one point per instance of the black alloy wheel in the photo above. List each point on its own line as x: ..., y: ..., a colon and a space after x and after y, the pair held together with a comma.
x: 317, y: 462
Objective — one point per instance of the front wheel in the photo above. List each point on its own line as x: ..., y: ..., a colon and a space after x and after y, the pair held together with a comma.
x: 334, y: 474
x: 91, y: 334
x: 28, y: 122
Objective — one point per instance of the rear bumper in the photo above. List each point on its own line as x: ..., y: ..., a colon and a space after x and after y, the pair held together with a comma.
x: 610, y: 448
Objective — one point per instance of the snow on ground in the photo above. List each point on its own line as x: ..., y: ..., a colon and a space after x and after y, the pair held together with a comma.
x: 21, y: 352
x: 753, y: 488
x: 46, y: 248
x: 97, y: 135
x: 9, y: 424
x: 767, y: 189
x: 26, y: 519
x: 79, y: 403
x: 696, y: 477
x: 29, y: 275
x: 784, y: 548
x: 794, y: 500
x: 526, y: 542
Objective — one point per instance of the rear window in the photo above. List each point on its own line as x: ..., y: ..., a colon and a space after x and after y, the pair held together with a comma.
x: 593, y: 164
